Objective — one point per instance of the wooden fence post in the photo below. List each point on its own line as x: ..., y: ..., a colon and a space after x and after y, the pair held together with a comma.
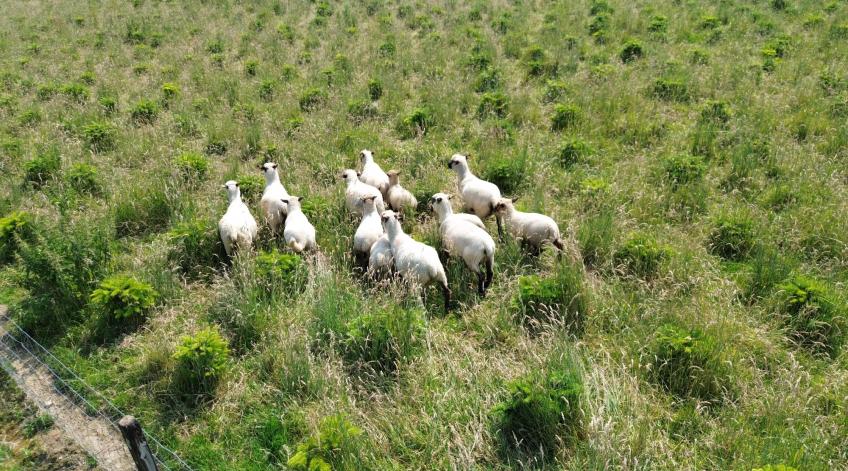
x: 134, y: 436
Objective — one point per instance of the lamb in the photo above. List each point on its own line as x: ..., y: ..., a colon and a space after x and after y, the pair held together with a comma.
x: 299, y: 232
x: 473, y: 219
x: 466, y: 240
x: 356, y: 190
x: 372, y: 174
x: 369, y: 230
x: 478, y: 196
x: 415, y: 261
x: 533, y: 229
x: 398, y: 197
x: 237, y: 227
x: 272, y: 207
x: 381, y: 262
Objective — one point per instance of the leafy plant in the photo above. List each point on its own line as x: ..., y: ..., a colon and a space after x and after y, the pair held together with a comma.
x: 487, y: 80
x: 201, y: 359
x: 507, y: 173
x: 416, y: 122
x: 493, y: 104
x: 43, y: 167
x: 76, y: 91
x: 658, y: 24
x: 280, y: 271
x: 83, y: 178
x: 311, y: 99
x: 375, y: 89
x: 715, y: 112
x: 565, y: 116
x: 560, y: 298
x: 683, y: 169
x: 13, y: 227
x: 631, y: 51
x: 672, y: 89
x: 99, y: 135
x: 814, y: 316
x: 540, y: 414
x: 573, y: 151
x: 142, y: 210
x: 192, y: 165
x: 196, y: 248
x: 251, y: 187
x: 124, y: 297
x: 732, y: 237
x: 689, y: 363
x: 144, y: 111
x: 384, y: 337
x: 335, y: 446
x: 640, y: 255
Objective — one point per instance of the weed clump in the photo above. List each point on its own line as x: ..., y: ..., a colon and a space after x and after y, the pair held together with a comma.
x: 311, y: 99
x: 683, y: 169
x: 13, y: 227
x: 335, y: 446
x: 537, y: 63
x: 43, y: 167
x: 565, y: 116
x: 99, y: 135
x: 573, y: 151
x: 281, y: 270
x: 671, y: 89
x: 251, y: 187
x: 494, y: 104
x: 487, y: 80
x: 142, y: 211
x: 201, y: 358
x: 382, y: 339
x: 658, y: 24
x: 631, y: 51
x: 375, y: 89
x: 123, y: 297
x: 541, y: 414
x: 76, y: 91
x: 814, y: 316
x: 196, y: 249
x: 732, y: 237
x: 689, y: 364
x: 192, y: 165
x: 507, y: 173
x: 715, y: 112
x: 144, y: 111
x: 640, y: 256
x: 83, y: 178
x: 416, y: 122
x: 561, y: 299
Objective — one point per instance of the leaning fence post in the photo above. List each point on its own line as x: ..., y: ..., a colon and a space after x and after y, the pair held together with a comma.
x: 134, y: 436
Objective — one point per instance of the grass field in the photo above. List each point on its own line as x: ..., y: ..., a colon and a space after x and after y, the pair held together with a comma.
x: 693, y: 153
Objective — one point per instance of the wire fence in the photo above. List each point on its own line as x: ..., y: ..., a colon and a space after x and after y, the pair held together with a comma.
x: 16, y: 345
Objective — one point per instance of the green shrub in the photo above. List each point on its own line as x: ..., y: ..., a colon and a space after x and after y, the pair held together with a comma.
x: 493, y: 104
x: 689, y: 364
x: 201, y: 358
x: 251, y: 187
x: 541, y: 414
x: 144, y: 111
x: 640, y: 255
x: 507, y: 173
x: 196, y: 248
x: 13, y: 227
x: 631, y: 51
x: 43, y: 167
x: 416, y: 122
x: 600, y: 7
x: 732, y: 237
x: 142, y: 211
x: 83, y: 178
x: 560, y: 298
x: 671, y: 89
x: 311, y: 99
x: 715, y: 112
x: 709, y: 22
x: 108, y: 103
x: 266, y: 90
x: 375, y: 89
x: 192, y: 165
x: 76, y: 91
x: 216, y: 145
x: 216, y: 46
x: 815, y: 317
x: 29, y: 117
x: 360, y: 109
x: 251, y: 67
x: 658, y: 24
x: 573, y: 151
x: 537, y: 63
x: 170, y: 91
x: 99, y: 135
x: 335, y: 446
x: 123, y: 297
x: 565, y: 116
x: 281, y: 271
x: 683, y: 169
x: 38, y: 424
x: 385, y: 337
x: 487, y: 80
x: 554, y: 90
x: 45, y: 91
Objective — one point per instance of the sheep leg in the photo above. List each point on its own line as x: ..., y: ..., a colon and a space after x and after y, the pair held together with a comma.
x: 490, y: 273
x: 447, y: 294
x: 500, y: 228
x: 481, y: 283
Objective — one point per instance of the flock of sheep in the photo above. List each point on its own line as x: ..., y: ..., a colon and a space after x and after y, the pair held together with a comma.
x: 380, y: 243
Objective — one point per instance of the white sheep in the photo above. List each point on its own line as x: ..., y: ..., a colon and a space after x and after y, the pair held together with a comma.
x: 381, y: 262
x: 533, y: 229
x: 272, y: 207
x: 372, y: 174
x: 369, y: 230
x: 415, y: 261
x: 356, y: 190
x: 299, y: 232
x: 478, y: 196
x: 398, y: 197
x: 465, y: 240
x: 237, y: 227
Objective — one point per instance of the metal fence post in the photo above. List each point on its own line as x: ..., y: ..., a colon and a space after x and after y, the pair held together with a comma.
x: 134, y: 436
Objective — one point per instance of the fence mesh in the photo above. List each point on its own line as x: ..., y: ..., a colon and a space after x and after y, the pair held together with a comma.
x: 18, y: 350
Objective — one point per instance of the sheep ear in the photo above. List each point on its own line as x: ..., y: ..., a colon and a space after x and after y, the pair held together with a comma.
x: 467, y: 156
x: 358, y: 174
x: 299, y: 199
x: 515, y: 199
x: 274, y: 166
x: 400, y: 217
x: 450, y: 197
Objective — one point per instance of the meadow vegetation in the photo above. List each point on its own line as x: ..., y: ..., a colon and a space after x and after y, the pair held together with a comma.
x: 693, y: 154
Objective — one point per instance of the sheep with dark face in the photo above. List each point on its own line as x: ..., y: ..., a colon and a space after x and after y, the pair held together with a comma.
x: 273, y: 209
x: 478, y: 196
x: 464, y: 239
x: 414, y: 261
x: 533, y: 229
x: 237, y: 227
